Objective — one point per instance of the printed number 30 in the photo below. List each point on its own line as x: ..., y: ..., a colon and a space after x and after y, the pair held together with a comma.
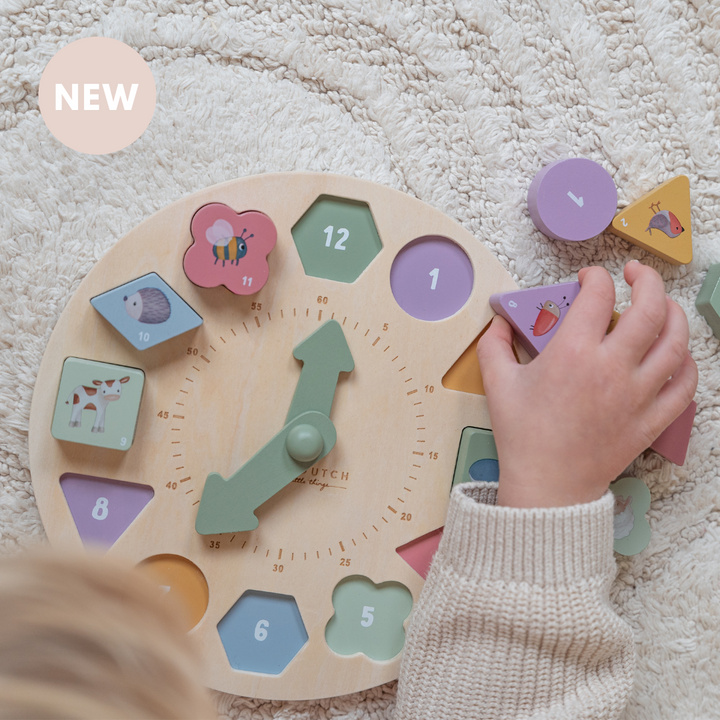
x: 367, y: 614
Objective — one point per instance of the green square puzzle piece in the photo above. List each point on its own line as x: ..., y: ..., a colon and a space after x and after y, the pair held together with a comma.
x: 708, y: 299
x: 97, y: 404
x: 477, y: 457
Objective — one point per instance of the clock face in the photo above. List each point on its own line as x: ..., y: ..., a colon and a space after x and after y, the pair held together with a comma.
x: 286, y: 557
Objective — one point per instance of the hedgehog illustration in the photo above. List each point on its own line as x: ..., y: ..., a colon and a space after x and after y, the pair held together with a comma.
x: 665, y: 221
x: 148, y: 305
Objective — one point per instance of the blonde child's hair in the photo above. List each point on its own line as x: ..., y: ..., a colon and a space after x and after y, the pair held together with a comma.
x: 90, y: 639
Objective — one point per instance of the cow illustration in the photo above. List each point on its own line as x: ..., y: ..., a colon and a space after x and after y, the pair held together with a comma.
x: 94, y: 398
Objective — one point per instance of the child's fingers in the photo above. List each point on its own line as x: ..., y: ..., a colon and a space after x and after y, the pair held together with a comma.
x: 676, y: 394
x: 495, y: 353
x: 590, y: 313
x: 668, y: 352
x: 639, y: 326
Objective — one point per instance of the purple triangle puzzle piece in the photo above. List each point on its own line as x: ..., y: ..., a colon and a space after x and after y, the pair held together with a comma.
x: 101, y: 508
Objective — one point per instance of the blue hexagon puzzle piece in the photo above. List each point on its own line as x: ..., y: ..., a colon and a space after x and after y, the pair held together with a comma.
x: 262, y: 632
x: 146, y: 311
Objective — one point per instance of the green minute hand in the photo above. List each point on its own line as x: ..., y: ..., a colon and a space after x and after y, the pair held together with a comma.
x: 228, y: 505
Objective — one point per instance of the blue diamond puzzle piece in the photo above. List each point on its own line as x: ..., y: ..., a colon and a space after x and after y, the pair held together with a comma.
x: 146, y: 311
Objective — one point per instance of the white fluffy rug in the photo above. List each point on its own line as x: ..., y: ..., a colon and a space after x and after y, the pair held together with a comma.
x: 459, y: 104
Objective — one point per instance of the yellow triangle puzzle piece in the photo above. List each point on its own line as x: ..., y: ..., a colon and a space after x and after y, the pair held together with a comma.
x: 465, y: 375
x: 659, y: 222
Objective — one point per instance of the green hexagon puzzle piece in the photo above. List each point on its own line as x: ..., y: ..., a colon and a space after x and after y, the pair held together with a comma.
x: 631, y: 529
x: 368, y: 618
x: 336, y: 239
x: 708, y: 299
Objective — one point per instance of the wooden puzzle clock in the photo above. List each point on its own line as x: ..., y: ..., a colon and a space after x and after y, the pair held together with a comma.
x: 262, y: 396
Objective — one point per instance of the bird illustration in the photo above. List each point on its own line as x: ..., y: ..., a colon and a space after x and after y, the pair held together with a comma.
x: 665, y: 221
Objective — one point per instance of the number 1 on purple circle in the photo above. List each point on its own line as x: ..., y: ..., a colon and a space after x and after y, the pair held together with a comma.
x: 434, y: 273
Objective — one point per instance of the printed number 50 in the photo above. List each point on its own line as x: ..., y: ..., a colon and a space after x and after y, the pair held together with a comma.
x: 367, y: 614
x: 261, y: 630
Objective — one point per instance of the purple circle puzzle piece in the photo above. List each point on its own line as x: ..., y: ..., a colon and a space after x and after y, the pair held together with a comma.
x: 431, y: 278
x: 572, y: 199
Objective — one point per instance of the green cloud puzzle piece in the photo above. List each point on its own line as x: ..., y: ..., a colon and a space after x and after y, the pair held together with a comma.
x: 631, y: 528
x: 368, y: 618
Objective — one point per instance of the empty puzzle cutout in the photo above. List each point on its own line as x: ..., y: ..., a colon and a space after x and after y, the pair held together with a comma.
x: 368, y: 618
x: 673, y: 442
x: 659, y: 222
x: 535, y: 314
x: 146, y: 311
x: 103, y: 509
x: 631, y: 530
x: 229, y: 249
x: 182, y: 581
x: 418, y: 553
x: 262, y: 632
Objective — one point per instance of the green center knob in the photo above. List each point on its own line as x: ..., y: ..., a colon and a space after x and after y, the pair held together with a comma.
x: 304, y: 443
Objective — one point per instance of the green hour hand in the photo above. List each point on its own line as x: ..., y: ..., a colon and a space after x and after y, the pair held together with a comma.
x: 309, y: 435
x: 229, y: 505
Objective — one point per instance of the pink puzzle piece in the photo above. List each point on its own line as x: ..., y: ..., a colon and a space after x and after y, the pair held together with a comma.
x: 672, y: 444
x: 229, y: 249
x: 418, y: 553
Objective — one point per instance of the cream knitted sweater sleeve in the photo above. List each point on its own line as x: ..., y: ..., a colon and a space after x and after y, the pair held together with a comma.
x: 515, y: 620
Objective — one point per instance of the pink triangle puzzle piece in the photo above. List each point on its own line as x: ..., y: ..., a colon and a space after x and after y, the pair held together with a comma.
x: 418, y: 553
x: 673, y: 442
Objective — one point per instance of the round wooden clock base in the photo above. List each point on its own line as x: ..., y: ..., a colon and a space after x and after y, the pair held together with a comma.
x: 126, y: 427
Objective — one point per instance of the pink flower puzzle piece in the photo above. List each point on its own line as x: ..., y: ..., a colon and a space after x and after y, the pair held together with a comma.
x: 229, y: 249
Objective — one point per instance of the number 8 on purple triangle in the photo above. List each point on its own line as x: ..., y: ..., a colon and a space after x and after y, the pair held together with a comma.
x: 535, y: 313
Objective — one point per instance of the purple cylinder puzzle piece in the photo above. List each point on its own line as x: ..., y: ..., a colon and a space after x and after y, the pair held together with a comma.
x: 431, y: 278
x: 101, y: 508
x: 572, y: 199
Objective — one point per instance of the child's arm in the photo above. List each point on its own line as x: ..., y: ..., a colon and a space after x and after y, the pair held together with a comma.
x: 514, y: 620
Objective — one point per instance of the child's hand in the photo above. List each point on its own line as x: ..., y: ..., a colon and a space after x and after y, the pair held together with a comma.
x: 569, y: 422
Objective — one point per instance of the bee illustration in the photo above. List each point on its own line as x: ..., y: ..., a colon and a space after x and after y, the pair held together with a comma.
x: 547, y: 317
x: 665, y: 221
x: 227, y: 245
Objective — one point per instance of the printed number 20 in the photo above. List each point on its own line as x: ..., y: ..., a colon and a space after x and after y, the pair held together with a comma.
x: 340, y: 244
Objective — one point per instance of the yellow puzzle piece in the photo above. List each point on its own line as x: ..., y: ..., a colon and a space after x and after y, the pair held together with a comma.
x: 659, y: 222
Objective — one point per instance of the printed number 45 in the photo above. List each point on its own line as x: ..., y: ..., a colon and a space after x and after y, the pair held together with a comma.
x: 340, y: 244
